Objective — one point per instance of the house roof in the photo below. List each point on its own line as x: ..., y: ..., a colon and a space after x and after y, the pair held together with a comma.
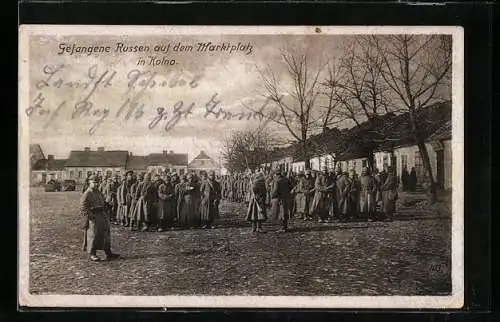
x: 137, y: 162
x: 156, y: 158
x: 443, y: 133
x: 397, y: 132
x: 177, y: 159
x: 49, y: 165
x: 203, y: 161
x: 381, y: 133
x: 97, y: 159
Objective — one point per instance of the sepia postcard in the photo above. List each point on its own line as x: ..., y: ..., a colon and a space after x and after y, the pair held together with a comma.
x: 241, y: 167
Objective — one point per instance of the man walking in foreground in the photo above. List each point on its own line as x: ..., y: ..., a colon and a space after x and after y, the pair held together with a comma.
x: 97, y: 222
x: 280, y: 200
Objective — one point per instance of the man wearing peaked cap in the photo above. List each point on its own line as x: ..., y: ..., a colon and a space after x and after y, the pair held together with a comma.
x: 97, y: 222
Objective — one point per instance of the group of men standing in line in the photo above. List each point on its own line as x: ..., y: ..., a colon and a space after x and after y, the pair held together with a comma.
x: 154, y: 202
x: 320, y: 196
x: 158, y: 202
x: 146, y: 202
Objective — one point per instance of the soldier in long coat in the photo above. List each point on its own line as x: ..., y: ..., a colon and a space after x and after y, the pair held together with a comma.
x: 140, y: 207
x: 389, y: 194
x: 96, y: 222
x: 318, y: 204
x: 166, y: 205
x: 149, y: 197
x: 353, y: 199
x: 188, y: 205
x: 257, y: 210
x: 120, y: 202
x: 368, y: 190
x: 210, y: 198
x: 300, y: 192
x: 135, y: 195
x: 331, y: 196
x: 109, y: 190
x: 280, y: 200
x: 343, y: 186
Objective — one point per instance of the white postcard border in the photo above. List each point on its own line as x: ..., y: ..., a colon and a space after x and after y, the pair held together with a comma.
x: 455, y: 300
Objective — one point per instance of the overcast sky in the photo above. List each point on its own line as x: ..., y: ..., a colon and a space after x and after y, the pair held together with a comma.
x: 234, y: 77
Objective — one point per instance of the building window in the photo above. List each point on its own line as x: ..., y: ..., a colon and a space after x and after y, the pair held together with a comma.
x: 385, y: 162
x: 71, y: 173
x: 79, y: 174
x: 109, y: 173
x: 89, y: 173
x: 181, y: 171
x: 363, y: 163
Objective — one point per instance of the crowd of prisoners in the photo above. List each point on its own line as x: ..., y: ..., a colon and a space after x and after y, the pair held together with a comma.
x: 167, y: 201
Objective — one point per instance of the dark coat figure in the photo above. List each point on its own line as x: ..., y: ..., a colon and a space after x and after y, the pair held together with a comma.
x: 145, y: 208
x: 389, y: 195
x: 210, y: 199
x: 300, y: 191
x: 97, y: 222
x: 343, y: 187
x: 257, y: 211
x: 121, y: 211
x: 189, y: 204
x: 319, y: 207
x: 368, y: 190
x: 331, y: 196
x: 412, y: 180
x: 134, y: 196
x: 127, y: 198
x: 109, y: 191
x: 177, y: 192
x: 166, y: 210
x: 353, y: 199
x: 280, y: 200
x: 405, y: 179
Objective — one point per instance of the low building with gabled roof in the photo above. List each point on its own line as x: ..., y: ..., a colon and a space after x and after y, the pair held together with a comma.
x: 203, y: 163
x: 101, y: 162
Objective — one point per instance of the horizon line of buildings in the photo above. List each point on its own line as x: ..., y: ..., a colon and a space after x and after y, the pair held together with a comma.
x: 81, y: 163
x: 387, y: 138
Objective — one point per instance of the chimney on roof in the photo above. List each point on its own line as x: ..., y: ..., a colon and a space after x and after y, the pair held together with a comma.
x: 130, y: 154
x: 100, y: 149
x: 86, y: 149
x: 50, y: 157
x: 165, y: 152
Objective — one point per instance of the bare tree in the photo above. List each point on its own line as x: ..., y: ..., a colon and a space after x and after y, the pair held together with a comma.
x: 295, y: 100
x: 359, y: 91
x: 248, y: 149
x: 417, y: 70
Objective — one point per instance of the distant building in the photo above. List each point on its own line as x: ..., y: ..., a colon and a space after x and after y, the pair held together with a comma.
x: 168, y: 161
x: 204, y: 163
x: 137, y: 163
x: 101, y: 162
x: 45, y: 169
x: 36, y: 154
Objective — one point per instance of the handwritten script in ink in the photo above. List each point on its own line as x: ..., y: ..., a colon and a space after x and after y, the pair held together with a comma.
x: 128, y: 104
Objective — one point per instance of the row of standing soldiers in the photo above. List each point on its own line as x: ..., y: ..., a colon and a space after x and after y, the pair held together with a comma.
x: 156, y: 203
x: 320, y: 196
